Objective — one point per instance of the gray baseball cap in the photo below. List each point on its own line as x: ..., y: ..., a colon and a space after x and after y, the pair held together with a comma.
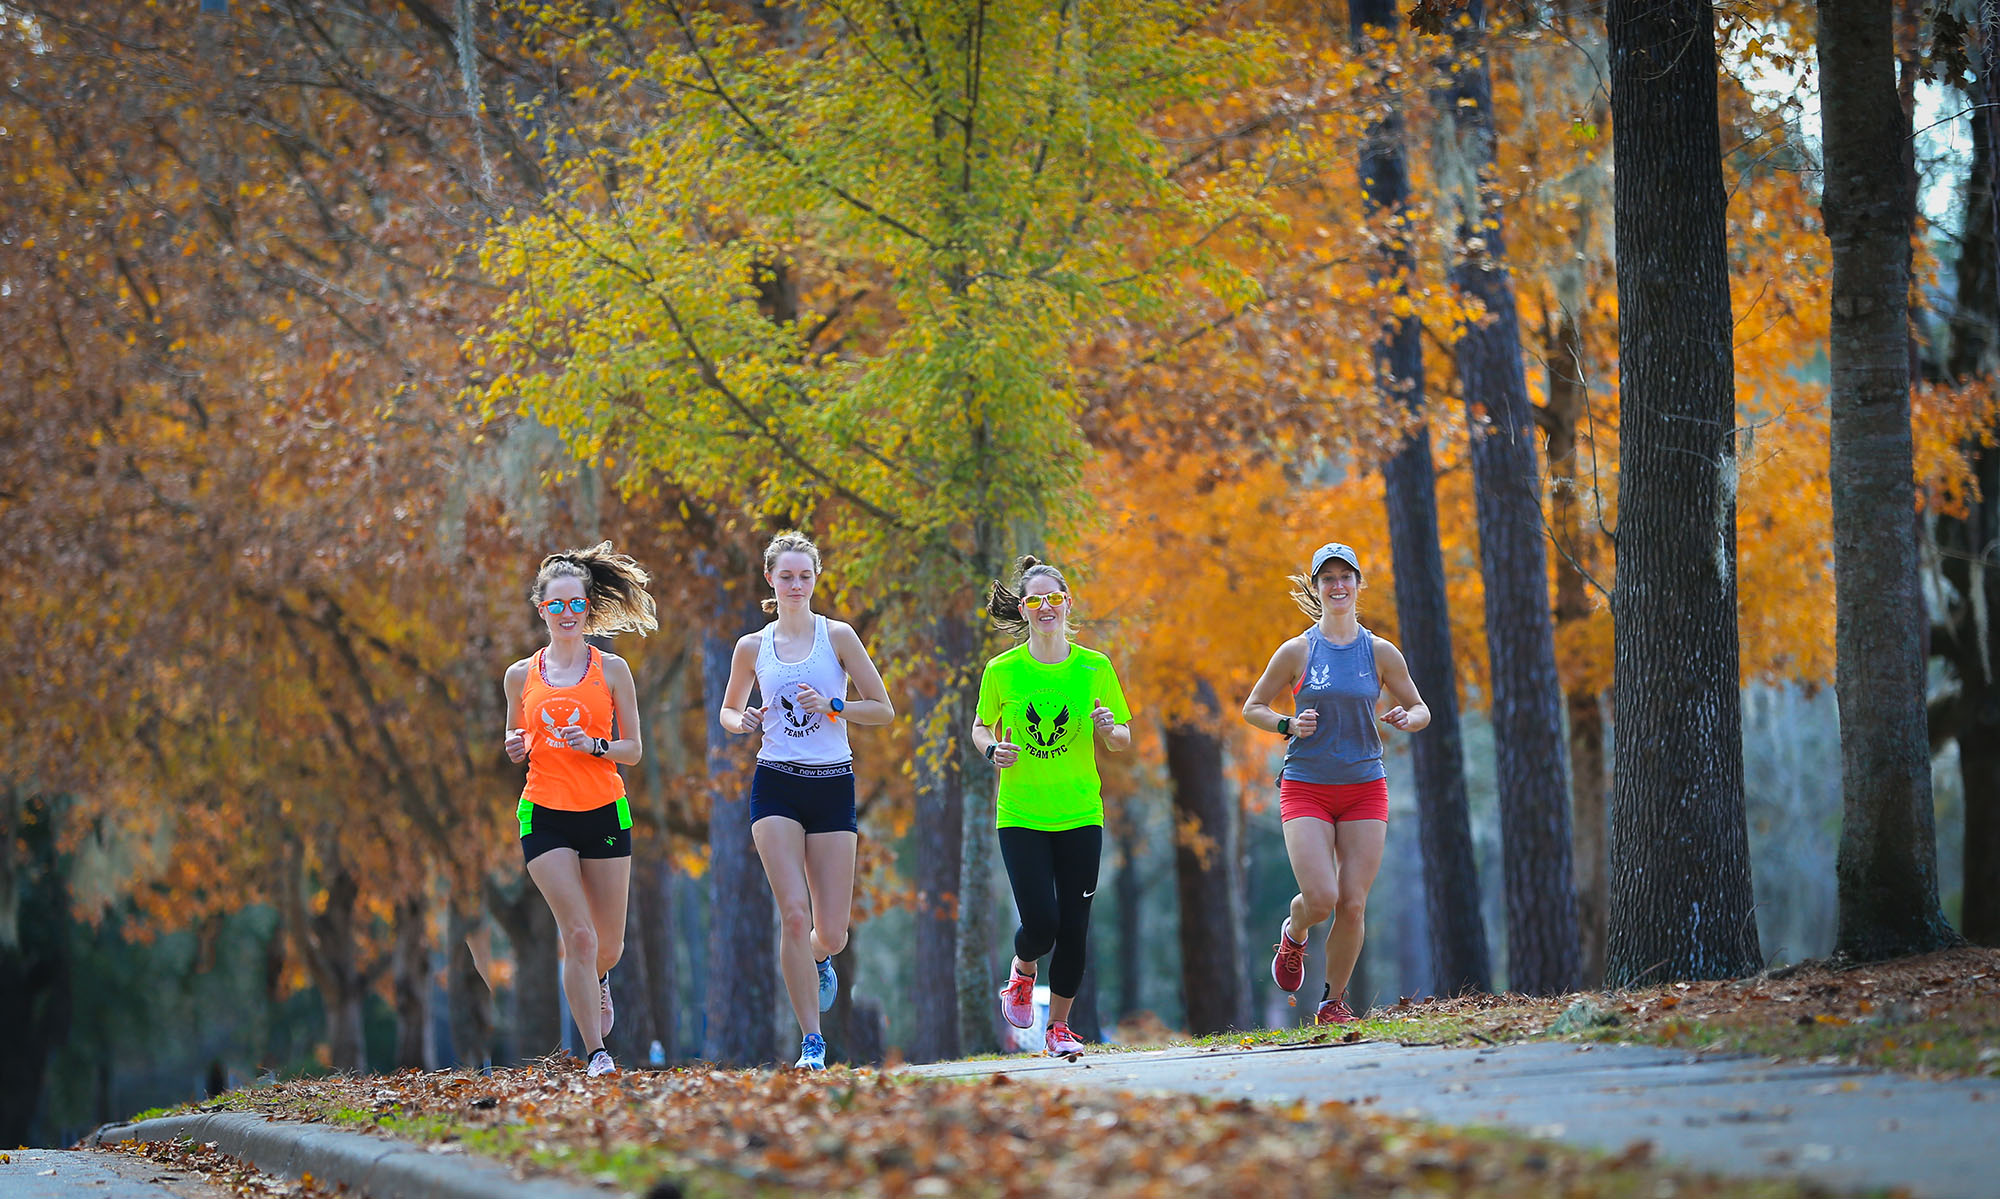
x: 1329, y: 552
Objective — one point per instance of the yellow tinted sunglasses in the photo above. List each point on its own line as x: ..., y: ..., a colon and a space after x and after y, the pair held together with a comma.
x: 1054, y: 599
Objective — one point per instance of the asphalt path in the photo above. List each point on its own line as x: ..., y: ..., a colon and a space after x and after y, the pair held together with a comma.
x: 97, y: 1174
x: 1847, y: 1128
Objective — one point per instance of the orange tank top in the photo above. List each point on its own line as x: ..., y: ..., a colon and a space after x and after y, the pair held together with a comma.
x: 558, y: 776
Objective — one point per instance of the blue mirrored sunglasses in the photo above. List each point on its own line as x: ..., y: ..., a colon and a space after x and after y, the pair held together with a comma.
x: 554, y: 607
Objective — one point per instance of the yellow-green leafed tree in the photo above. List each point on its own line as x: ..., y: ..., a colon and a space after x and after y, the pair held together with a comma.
x: 837, y: 273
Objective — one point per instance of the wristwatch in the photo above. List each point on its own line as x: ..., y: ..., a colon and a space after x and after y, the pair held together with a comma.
x: 838, y: 705
x: 1284, y: 726
x: 599, y: 747
x: 990, y: 747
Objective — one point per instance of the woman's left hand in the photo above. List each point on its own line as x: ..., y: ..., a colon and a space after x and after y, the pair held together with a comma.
x: 1102, y: 717
x: 578, y: 740
x: 813, y: 701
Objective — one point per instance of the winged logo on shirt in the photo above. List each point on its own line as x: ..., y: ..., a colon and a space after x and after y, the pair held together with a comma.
x: 1045, y: 734
x: 555, y: 737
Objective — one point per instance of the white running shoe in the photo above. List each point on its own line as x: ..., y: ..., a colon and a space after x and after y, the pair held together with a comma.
x: 604, y: 1003
x: 601, y: 1064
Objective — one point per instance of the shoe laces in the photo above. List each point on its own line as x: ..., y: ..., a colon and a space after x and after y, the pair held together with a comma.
x: 1021, y: 989
x: 1291, y: 951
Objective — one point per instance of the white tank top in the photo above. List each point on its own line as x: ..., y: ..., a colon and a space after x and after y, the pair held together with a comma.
x: 792, y: 734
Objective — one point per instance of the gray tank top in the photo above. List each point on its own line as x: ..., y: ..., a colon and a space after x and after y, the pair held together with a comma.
x: 1339, y: 682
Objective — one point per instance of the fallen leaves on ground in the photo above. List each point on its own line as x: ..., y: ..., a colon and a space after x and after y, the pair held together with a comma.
x: 1937, y: 1015
x: 214, y: 1166
x: 862, y: 1132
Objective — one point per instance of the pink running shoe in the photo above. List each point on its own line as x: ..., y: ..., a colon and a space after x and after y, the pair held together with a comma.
x: 1335, y: 1011
x: 1017, y: 1000
x: 604, y: 1004
x: 1061, y: 1042
x: 1288, y: 964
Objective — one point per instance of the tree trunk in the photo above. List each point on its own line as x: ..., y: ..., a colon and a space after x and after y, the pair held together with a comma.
x: 535, y: 1026
x: 939, y: 830
x: 1968, y: 631
x: 1212, y: 955
x: 411, y: 979
x: 470, y: 998
x: 1084, y: 1018
x: 1888, y: 847
x: 332, y: 959
x: 1569, y: 397
x: 1681, y: 902
x: 1527, y: 694
x: 742, y: 994
x: 1444, y: 829
x: 1131, y: 917
x: 655, y: 908
x: 35, y: 996
x: 980, y: 938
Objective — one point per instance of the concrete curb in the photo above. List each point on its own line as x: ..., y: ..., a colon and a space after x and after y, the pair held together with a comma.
x: 375, y: 1167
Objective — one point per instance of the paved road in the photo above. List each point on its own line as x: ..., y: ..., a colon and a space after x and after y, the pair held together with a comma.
x: 97, y: 1174
x: 1734, y: 1115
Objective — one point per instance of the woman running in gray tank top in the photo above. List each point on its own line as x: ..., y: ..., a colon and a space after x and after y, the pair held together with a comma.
x: 1333, y: 794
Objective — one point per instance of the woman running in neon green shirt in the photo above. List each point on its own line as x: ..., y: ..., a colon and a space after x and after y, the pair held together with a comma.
x: 1035, y: 702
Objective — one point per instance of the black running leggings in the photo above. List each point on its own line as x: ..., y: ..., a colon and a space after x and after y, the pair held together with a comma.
x: 1054, y: 875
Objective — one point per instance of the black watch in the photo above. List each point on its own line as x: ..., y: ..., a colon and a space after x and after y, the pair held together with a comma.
x: 837, y: 704
x: 1284, y: 726
x: 599, y: 747
x: 990, y: 747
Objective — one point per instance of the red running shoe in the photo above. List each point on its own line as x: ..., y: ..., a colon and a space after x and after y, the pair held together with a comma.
x: 1017, y: 1000
x: 1288, y: 966
x: 1061, y: 1042
x: 1335, y: 1011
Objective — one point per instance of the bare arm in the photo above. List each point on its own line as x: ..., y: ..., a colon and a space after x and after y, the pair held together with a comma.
x: 736, y: 716
x: 871, y: 703
x: 1285, y: 667
x: 516, y: 734
x: 1407, y: 710
x: 628, y: 748
x: 1005, y: 752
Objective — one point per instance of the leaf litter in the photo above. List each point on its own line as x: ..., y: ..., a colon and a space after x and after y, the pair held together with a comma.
x: 718, y: 1132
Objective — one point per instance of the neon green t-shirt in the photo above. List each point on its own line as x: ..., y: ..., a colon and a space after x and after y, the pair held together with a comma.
x: 1045, y: 709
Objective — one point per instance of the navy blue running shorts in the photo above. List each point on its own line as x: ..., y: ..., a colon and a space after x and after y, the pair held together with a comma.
x: 819, y: 798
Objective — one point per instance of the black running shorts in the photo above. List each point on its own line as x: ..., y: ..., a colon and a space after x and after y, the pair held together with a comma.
x: 820, y: 798
x: 604, y: 832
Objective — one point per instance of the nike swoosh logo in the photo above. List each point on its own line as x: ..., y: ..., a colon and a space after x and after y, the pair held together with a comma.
x: 1088, y: 894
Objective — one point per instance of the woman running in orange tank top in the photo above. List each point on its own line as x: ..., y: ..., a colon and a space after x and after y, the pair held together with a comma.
x: 573, y: 716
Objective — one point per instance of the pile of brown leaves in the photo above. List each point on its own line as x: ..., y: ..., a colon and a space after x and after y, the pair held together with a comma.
x: 737, y: 1132
x: 1936, y: 1014
x: 218, y: 1168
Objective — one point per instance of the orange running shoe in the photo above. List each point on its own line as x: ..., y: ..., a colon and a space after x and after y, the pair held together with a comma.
x: 1061, y: 1042
x: 1288, y: 965
x: 1017, y: 1000
x: 1334, y: 1010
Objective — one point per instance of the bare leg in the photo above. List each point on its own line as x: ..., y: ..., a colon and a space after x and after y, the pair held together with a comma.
x: 561, y: 881
x: 781, y: 843
x: 1309, y: 843
x: 830, y: 879
x: 607, y: 884
x: 1358, y: 848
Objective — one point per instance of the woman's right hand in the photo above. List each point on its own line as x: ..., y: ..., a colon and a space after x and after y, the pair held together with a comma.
x: 750, y: 721
x: 1005, y: 752
x: 1305, y: 722
x: 517, y: 745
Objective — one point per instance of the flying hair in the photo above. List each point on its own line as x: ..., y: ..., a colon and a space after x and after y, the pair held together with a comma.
x: 789, y: 541
x: 614, y: 584
x: 1003, y: 604
x: 1306, y: 595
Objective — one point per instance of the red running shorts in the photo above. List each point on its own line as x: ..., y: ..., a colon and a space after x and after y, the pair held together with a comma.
x: 1333, y: 802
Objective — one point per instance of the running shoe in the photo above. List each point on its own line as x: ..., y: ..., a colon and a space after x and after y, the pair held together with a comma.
x: 1334, y: 1010
x: 601, y: 1063
x: 1061, y: 1042
x: 604, y: 1003
x: 1017, y: 1000
x: 829, y: 984
x: 812, y: 1053
x: 1288, y: 963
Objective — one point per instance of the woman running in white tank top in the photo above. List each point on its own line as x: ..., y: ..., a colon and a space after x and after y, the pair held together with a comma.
x: 802, y: 795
